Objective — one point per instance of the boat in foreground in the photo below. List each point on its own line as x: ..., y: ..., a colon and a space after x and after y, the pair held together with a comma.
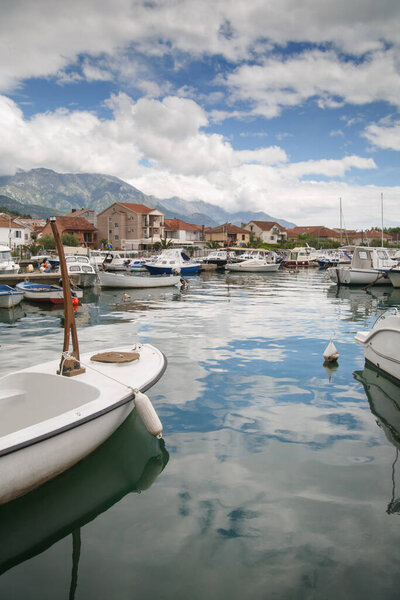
x: 9, y: 296
x: 118, y: 280
x: 42, y: 292
x: 56, y: 413
x: 382, y: 344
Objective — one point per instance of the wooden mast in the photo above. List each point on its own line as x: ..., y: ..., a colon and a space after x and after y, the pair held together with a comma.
x: 68, y: 367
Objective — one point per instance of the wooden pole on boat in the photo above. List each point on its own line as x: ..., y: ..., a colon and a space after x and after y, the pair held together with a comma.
x: 68, y: 367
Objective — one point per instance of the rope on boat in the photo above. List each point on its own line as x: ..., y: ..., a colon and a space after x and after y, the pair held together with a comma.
x: 143, y: 405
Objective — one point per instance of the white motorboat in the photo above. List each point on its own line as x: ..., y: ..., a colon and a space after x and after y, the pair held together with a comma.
x: 259, y: 261
x: 7, y: 264
x: 172, y: 260
x: 369, y: 266
x: 56, y: 413
x: 302, y: 256
x: 136, y: 264
x: 84, y: 273
x: 119, y: 280
x: 219, y: 258
x: 382, y: 344
x: 114, y: 261
x: 9, y: 296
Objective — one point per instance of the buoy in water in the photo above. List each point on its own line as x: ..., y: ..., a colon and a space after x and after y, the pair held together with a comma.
x: 126, y: 296
x: 148, y: 414
x: 75, y: 301
x: 330, y: 353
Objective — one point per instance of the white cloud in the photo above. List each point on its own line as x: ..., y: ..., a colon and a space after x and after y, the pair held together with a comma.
x: 41, y: 38
x: 185, y: 161
x: 384, y: 135
x: 290, y: 81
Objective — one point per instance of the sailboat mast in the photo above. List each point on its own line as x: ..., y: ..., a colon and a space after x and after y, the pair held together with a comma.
x: 382, y: 218
x: 341, y: 227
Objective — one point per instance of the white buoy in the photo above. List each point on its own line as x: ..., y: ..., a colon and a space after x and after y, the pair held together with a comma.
x: 148, y: 414
x: 126, y: 296
x: 330, y: 353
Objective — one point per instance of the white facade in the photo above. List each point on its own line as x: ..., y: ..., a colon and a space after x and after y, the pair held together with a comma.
x: 269, y: 233
x: 14, y: 236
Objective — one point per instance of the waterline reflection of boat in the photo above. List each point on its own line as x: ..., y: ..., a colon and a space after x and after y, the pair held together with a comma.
x: 128, y: 462
x: 384, y: 400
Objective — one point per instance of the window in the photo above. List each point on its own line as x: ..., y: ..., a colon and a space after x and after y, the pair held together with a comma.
x: 116, y: 237
x: 243, y: 237
x: 115, y: 224
x: 18, y: 234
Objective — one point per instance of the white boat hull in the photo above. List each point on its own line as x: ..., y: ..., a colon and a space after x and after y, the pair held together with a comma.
x: 394, y: 277
x: 350, y: 276
x: 382, y: 345
x: 116, y: 280
x: 50, y: 422
x: 10, y: 300
x: 253, y: 266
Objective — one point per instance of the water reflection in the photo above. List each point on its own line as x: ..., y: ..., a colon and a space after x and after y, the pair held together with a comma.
x: 129, y: 461
x: 384, y: 400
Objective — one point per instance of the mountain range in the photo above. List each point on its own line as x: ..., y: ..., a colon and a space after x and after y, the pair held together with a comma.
x: 43, y: 192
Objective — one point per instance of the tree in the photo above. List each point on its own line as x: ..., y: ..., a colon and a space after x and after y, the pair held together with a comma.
x: 163, y: 244
x: 69, y: 239
x: 212, y: 244
x: 47, y: 242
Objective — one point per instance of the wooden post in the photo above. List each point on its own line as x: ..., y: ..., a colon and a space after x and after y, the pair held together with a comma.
x: 68, y: 367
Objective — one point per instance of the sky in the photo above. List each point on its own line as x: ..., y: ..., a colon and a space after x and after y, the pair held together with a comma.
x: 281, y: 106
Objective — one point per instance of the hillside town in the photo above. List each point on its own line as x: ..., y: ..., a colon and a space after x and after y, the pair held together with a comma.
x: 136, y: 227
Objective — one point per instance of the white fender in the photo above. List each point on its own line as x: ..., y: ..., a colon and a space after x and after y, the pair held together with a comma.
x: 147, y: 413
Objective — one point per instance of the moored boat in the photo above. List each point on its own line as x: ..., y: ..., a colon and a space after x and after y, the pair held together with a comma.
x: 300, y: 257
x: 382, y: 344
x: 56, y: 413
x: 171, y: 260
x: 369, y: 266
x: 119, y: 280
x: 84, y: 273
x: 7, y: 264
x: 256, y: 261
x: 42, y: 292
x: 9, y: 296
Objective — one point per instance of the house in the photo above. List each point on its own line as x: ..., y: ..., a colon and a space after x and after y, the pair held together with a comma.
x: 366, y: 238
x: 228, y: 235
x: 78, y: 226
x: 86, y: 213
x: 316, y: 231
x: 131, y: 226
x: 181, y: 232
x: 11, y: 234
x: 269, y: 232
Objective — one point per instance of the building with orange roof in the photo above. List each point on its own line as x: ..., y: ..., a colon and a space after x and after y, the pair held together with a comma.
x: 78, y: 226
x: 86, y: 213
x: 227, y: 235
x: 130, y: 226
x: 269, y: 232
x: 181, y: 232
x: 317, y: 231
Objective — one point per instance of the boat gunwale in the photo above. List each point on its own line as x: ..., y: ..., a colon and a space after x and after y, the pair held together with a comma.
x: 76, y: 423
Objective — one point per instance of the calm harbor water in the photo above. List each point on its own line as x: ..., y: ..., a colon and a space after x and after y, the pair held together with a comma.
x: 278, y: 478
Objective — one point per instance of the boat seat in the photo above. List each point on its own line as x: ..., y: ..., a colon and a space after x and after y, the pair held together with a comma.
x: 115, y: 357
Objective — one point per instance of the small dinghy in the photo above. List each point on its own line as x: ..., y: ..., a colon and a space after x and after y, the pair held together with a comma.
x: 56, y: 413
x: 9, y: 296
x: 42, y: 292
x: 118, y: 280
